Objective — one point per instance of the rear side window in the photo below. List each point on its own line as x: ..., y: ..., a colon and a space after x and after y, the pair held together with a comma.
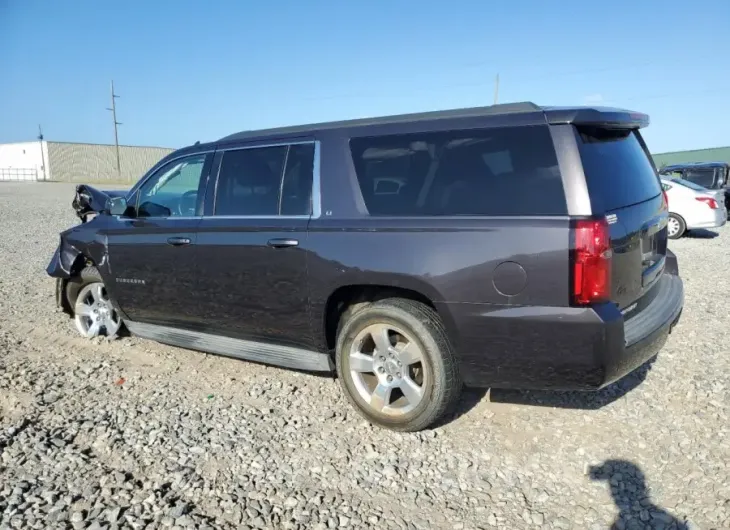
x: 617, y: 169
x: 296, y: 190
x: 508, y: 171
x: 266, y: 181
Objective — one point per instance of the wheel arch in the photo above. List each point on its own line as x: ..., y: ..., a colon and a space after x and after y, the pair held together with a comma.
x: 346, y: 296
x: 78, y: 264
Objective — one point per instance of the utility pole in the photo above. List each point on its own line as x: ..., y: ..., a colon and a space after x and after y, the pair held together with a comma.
x: 43, y: 155
x: 116, y: 135
x: 496, y: 89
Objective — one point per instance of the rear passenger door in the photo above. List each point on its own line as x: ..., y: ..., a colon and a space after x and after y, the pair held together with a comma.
x: 251, y: 263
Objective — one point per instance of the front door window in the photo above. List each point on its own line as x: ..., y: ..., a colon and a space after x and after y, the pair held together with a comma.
x: 174, y: 190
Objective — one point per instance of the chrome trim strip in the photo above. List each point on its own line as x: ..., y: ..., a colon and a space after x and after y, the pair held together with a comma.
x: 272, y: 217
x: 170, y: 218
x: 316, y: 179
x: 261, y: 146
x: 317, y: 182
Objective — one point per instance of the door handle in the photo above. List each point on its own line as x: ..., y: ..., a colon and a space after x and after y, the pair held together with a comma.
x: 283, y: 243
x: 178, y: 241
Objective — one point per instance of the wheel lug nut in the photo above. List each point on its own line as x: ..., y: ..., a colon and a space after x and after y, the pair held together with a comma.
x: 382, y: 357
x: 381, y: 370
x: 398, y: 375
x: 390, y: 378
x: 400, y: 364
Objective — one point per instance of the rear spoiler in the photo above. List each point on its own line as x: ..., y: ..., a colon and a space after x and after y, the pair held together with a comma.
x: 605, y: 117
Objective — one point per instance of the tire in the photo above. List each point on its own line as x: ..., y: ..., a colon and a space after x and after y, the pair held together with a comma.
x: 414, y: 331
x: 681, y: 226
x: 88, y: 277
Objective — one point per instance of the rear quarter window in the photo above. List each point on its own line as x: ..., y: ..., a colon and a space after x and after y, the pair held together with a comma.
x: 617, y: 169
x: 488, y: 172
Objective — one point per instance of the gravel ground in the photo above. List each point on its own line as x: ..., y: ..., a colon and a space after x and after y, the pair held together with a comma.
x: 134, y: 434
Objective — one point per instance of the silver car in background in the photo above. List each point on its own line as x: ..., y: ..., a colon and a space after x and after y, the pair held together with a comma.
x: 691, y: 206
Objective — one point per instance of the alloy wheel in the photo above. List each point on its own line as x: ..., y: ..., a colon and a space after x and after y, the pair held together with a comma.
x: 388, y: 370
x: 94, y: 313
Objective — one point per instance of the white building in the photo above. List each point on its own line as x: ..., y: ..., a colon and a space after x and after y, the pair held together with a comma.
x: 76, y: 162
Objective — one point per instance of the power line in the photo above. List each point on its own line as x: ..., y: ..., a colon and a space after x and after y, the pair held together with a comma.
x: 113, y: 109
x: 43, y: 155
x: 530, y: 78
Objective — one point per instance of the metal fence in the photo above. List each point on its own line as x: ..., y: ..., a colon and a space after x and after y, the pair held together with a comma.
x: 17, y: 173
x: 94, y: 163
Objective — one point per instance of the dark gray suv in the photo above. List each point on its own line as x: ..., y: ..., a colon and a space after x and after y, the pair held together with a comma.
x: 505, y: 246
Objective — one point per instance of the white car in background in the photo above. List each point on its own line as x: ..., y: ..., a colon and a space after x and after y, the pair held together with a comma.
x: 691, y: 206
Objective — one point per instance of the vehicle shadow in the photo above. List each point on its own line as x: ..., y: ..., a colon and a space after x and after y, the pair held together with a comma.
x: 575, y: 399
x: 701, y: 233
x: 632, y: 498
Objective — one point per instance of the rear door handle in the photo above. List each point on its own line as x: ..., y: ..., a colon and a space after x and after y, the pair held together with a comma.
x: 178, y: 241
x: 283, y: 243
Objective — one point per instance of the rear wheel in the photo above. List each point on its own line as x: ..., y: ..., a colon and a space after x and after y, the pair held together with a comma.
x: 94, y: 314
x: 676, y: 227
x: 396, y: 365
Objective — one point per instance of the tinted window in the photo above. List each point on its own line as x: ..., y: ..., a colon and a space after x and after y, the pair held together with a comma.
x: 703, y: 177
x: 249, y: 181
x: 296, y: 192
x: 173, y: 190
x: 510, y: 171
x: 689, y: 184
x: 617, y: 169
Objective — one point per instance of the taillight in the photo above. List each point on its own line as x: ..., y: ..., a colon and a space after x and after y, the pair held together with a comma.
x: 666, y: 198
x: 591, y: 261
x: 712, y: 203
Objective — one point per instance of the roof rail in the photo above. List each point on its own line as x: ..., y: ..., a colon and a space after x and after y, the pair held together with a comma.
x: 502, y: 108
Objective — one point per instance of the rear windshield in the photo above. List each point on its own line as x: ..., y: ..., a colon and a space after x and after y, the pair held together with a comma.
x: 501, y: 171
x: 703, y: 177
x: 688, y: 184
x: 617, y: 169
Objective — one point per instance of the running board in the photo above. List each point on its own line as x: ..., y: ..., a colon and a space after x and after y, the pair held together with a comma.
x: 284, y: 356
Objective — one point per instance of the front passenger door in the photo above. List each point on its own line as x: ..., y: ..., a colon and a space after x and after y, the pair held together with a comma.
x: 152, y: 249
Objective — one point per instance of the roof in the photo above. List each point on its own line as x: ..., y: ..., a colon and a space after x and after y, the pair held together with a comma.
x: 695, y: 165
x: 585, y: 115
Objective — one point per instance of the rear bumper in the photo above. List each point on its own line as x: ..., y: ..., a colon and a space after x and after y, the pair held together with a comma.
x: 560, y: 348
x: 713, y: 219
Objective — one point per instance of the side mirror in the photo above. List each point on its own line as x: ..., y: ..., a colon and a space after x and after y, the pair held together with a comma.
x: 116, y: 205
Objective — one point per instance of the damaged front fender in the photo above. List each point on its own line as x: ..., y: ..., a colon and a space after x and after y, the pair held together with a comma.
x: 63, y: 261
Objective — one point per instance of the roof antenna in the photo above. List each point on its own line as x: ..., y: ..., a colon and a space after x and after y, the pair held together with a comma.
x: 197, y: 143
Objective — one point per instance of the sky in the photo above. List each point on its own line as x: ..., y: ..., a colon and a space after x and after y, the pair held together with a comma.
x: 188, y: 71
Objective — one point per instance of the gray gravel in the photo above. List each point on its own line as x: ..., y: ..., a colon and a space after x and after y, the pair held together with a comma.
x: 133, y: 434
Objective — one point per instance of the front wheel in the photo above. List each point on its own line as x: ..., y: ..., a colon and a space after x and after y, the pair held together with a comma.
x: 676, y: 227
x: 94, y: 314
x: 396, y: 364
